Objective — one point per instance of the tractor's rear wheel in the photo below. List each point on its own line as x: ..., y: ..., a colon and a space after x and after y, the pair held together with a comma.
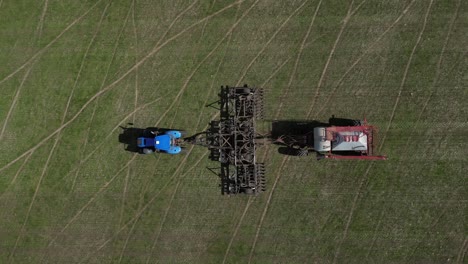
x: 147, y: 151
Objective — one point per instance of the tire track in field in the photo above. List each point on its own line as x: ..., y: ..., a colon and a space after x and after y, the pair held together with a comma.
x: 246, y: 69
x: 76, y: 82
x: 273, y: 74
x: 184, y: 86
x: 285, y: 159
x: 119, y: 125
x: 435, y: 80
x: 65, y: 112
x: 439, y: 62
x: 38, y: 53
x: 198, y: 123
x: 405, y: 73
x: 462, y: 251
x: 250, y: 200
x: 41, y: 20
x: 433, y: 223
x: 16, y: 175
x: 382, y: 213
x: 205, y: 103
x: 364, y: 177
x: 265, y: 210
x: 126, y: 242
x: 162, y: 222
x: 83, y: 208
x: 36, y: 190
x: 206, y: 22
x: 181, y: 91
x: 296, y: 63
x: 133, y: 121
x: 332, y: 52
x: 228, y: 35
x: 111, y: 85
x: 15, y: 100
x: 356, y: 62
x: 143, y: 209
x: 107, y: 183
x: 236, y: 230
x: 178, y: 182
x: 83, y: 160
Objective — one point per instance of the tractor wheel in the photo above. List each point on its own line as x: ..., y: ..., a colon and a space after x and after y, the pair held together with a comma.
x: 302, y: 152
x: 147, y: 151
x: 183, y: 133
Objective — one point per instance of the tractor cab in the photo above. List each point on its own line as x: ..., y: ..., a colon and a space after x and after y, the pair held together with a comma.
x: 167, y: 142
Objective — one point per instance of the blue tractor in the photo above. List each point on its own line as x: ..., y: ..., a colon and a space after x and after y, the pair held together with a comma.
x: 161, y: 141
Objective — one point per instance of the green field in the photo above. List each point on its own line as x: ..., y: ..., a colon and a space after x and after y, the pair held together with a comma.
x: 72, y: 72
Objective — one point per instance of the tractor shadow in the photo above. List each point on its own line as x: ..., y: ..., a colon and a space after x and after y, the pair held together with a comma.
x: 285, y: 133
x: 130, y: 135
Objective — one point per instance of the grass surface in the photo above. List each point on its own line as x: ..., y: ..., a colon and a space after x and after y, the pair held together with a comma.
x: 73, y: 71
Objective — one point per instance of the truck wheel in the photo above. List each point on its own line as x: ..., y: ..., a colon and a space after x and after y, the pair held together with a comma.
x: 357, y: 122
x: 147, y: 151
x: 341, y: 122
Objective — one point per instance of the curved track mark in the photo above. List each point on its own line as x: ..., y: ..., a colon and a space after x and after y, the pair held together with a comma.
x: 41, y: 20
x: 189, y: 78
x: 246, y: 69
x: 57, y: 139
x: 126, y: 242
x: 439, y: 62
x: 50, y: 43
x: 285, y: 159
x: 229, y: 35
x: 234, y: 234
x: 246, y: 208
x: 405, y: 74
x: 296, y: 63
x: 273, y: 74
x: 330, y: 55
x: 91, y: 200
x: 265, y: 210
x: 110, y: 86
x: 166, y: 212
x: 15, y: 100
x: 143, y: 209
x: 356, y: 62
x: 16, y: 175
x: 462, y: 252
x: 107, y: 183
x: 364, y: 178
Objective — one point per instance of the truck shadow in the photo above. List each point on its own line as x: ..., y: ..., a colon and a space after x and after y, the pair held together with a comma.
x: 293, y: 134
x: 294, y: 127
